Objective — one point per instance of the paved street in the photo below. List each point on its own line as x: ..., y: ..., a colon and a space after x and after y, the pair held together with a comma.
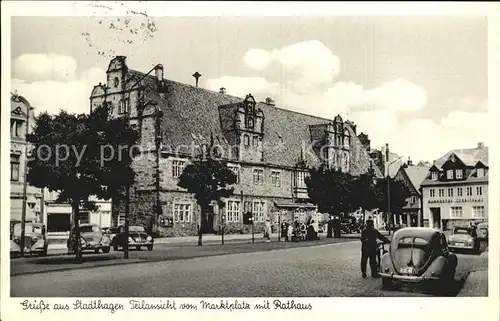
x: 319, y: 270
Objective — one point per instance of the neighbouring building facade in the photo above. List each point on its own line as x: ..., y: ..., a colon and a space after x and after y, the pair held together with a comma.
x: 269, y: 149
x: 21, y: 116
x: 455, y: 191
x: 41, y: 204
x: 412, y: 176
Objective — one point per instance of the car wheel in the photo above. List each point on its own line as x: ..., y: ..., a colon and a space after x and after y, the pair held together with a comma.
x: 105, y: 249
x: 96, y: 251
x: 115, y: 247
x: 44, y: 252
x: 150, y: 247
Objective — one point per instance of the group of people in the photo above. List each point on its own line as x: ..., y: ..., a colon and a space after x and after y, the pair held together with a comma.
x: 300, y: 231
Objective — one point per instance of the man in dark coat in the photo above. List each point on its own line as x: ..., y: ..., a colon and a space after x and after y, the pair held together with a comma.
x: 369, y: 238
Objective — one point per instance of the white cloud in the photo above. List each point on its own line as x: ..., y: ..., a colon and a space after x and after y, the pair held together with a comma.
x: 257, y: 59
x: 52, y: 89
x: 40, y: 67
x: 307, y: 73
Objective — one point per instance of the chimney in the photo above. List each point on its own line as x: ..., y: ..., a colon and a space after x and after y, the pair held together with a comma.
x: 196, y: 76
x: 159, y: 72
x: 269, y: 101
x: 480, y: 145
x: 410, y: 162
x: 222, y: 90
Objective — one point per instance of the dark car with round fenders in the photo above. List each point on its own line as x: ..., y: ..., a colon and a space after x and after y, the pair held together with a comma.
x: 418, y: 255
x: 137, y: 238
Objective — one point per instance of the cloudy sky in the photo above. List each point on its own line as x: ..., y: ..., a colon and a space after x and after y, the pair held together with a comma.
x: 418, y: 83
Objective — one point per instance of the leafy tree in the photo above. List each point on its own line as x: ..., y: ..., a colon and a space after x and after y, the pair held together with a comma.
x: 208, y: 179
x: 330, y: 190
x: 364, y: 193
x: 398, y: 192
x: 81, y: 156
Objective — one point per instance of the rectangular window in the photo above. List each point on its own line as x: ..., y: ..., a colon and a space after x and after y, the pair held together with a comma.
x: 259, y: 211
x: 458, y: 173
x: 120, y: 220
x: 434, y: 176
x: 478, y: 212
x: 236, y: 171
x: 469, y: 191
x: 182, y: 212
x: 450, y: 192
x: 456, y: 211
x: 248, y: 207
x: 14, y: 168
x: 300, y: 179
x: 255, y: 141
x: 480, y: 172
x: 178, y: 168
x: 449, y: 174
x: 413, y: 199
x: 432, y: 192
x: 16, y: 128
x: 84, y: 218
x: 276, y: 178
x: 459, y: 191
x: 258, y: 176
x: 441, y: 192
x: 233, y: 211
x: 479, y: 190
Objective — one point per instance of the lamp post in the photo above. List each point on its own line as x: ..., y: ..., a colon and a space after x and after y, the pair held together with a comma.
x: 389, y: 193
x: 25, y: 181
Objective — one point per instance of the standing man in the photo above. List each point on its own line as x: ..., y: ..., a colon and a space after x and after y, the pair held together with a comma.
x: 369, y: 238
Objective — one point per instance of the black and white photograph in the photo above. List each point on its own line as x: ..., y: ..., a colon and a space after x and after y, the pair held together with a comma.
x: 251, y: 161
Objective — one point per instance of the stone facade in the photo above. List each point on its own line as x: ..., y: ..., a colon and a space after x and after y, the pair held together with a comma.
x: 269, y: 148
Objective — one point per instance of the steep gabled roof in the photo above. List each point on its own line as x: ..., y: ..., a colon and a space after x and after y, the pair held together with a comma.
x: 192, y: 114
x: 416, y: 174
x: 469, y: 156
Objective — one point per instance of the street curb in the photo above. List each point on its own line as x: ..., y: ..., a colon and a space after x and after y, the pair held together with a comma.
x: 138, y: 261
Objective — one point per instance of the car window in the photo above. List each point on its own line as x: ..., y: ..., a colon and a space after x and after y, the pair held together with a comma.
x: 28, y: 229
x: 86, y: 229
x: 462, y: 231
x: 412, y: 242
x: 136, y: 229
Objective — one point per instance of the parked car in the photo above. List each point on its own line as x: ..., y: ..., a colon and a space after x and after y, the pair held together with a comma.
x: 91, y: 239
x: 137, y: 238
x: 418, y: 255
x: 464, y: 238
x: 35, y: 240
x: 482, y: 231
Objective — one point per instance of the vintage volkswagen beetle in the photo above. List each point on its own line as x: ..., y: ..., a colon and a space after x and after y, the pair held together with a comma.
x: 35, y: 240
x: 91, y: 238
x: 482, y: 231
x: 464, y: 238
x: 418, y: 255
x: 137, y: 238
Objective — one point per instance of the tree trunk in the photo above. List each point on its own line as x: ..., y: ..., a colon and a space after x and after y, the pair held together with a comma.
x: 200, y: 226
x: 76, y: 219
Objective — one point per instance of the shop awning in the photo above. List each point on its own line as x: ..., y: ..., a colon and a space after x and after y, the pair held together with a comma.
x: 295, y: 205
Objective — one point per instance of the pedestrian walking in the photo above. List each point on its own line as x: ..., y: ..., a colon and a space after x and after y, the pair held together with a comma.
x: 369, y: 238
x: 289, y: 232
x: 267, y: 231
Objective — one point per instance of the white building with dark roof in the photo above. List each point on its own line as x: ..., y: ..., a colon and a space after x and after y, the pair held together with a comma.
x: 455, y: 191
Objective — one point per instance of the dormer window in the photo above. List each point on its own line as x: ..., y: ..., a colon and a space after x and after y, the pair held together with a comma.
x: 458, y: 174
x: 449, y: 174
x: 250, y: 123
x: 480, y: 172
x: 434, y: 176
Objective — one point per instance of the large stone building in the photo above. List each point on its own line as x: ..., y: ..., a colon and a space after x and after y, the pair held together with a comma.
x: 455, y: 191
x: 270, y: 149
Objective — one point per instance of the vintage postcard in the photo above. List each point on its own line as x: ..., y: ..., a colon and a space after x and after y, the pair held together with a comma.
x: 172, y: 160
